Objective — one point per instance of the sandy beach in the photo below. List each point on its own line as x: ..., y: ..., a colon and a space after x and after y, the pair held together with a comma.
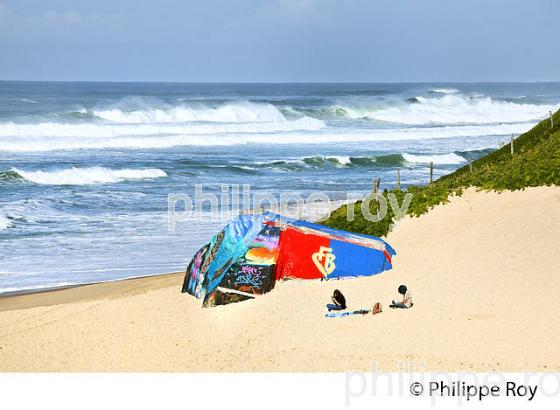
x: 483, y: 271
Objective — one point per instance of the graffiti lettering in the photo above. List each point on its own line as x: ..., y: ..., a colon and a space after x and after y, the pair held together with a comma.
x: 249, y: 275
x: 324, y: 260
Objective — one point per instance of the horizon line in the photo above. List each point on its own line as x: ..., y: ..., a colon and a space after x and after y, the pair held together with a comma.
x: 281, y: 82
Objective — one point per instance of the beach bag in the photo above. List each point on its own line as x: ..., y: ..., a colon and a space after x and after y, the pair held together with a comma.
x: 376, y: 309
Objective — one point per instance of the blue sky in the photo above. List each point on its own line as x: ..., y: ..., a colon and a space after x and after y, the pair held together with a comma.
x: 280, y: 40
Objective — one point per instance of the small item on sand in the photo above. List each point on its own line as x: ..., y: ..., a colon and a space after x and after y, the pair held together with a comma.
x: 350, y: 313
x: 376, y: 309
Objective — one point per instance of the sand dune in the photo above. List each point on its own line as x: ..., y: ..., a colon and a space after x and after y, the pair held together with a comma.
x: 483, y: 271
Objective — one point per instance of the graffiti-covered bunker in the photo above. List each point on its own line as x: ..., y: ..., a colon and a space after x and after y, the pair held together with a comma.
x: 254, y: 251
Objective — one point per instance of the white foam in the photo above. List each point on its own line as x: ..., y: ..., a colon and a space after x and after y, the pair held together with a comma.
x: 89, y: 175
x: 444, y: 90
x: 441, y: 159
x: 9, y: 289
x: 453, y: 109
x: 342, y: 160
x: 238, y: 112
x: 4, y: 222
x: 54, y: 129
x: 43, y: 144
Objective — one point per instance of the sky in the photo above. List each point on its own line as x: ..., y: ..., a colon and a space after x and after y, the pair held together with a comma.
x: 280, y: 40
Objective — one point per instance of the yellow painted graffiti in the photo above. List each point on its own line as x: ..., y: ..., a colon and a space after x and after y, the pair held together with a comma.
x: 324, y: 260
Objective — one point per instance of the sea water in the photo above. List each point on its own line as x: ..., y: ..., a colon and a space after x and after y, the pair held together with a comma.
x: 86, y: 168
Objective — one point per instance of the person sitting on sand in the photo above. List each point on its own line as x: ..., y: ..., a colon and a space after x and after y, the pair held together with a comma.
x: 339, y: 301
x: 406, y: 302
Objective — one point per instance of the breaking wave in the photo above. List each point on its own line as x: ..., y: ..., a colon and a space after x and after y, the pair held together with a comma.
x: 331, y: 160
x: 349, y: 161
x: 9, y: 176
x: 139, y: 123
x: 88, y: 176
x: 387, y: 160
x: 238, y: 112
x: 444, y: 91
x: 451, y: 109
x: 55, y: 129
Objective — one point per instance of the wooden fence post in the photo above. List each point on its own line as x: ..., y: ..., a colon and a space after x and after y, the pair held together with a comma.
x: 376, y: 183
x: 470, y: 166
x: 431, y: 171
x: 398, y: 179
x: 551, y: 120
x: 511, y: 144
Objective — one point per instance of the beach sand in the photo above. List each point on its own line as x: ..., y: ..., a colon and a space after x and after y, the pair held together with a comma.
x: 483, y: 271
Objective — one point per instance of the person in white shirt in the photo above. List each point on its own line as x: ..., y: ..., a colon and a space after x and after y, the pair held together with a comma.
x: 406, y: 302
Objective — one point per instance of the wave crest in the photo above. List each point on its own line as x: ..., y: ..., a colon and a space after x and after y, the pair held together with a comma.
x: 452, y: 109
x: 88, y: 176
x: 239, y: 112
x: 54, y: 129
x: 444, y: 91
x: 386, y: 160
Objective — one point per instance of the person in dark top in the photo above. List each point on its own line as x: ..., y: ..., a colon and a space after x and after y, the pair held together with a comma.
x: 406, y: 302
x: 339, y: 301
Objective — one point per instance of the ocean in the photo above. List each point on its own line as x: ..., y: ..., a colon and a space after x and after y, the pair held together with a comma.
x: 86, y: 168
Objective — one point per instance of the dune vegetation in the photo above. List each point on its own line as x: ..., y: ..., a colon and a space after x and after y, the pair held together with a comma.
x: 535, y: 162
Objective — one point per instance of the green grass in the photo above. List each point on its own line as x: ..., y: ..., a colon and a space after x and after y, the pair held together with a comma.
x: 535, y: 162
